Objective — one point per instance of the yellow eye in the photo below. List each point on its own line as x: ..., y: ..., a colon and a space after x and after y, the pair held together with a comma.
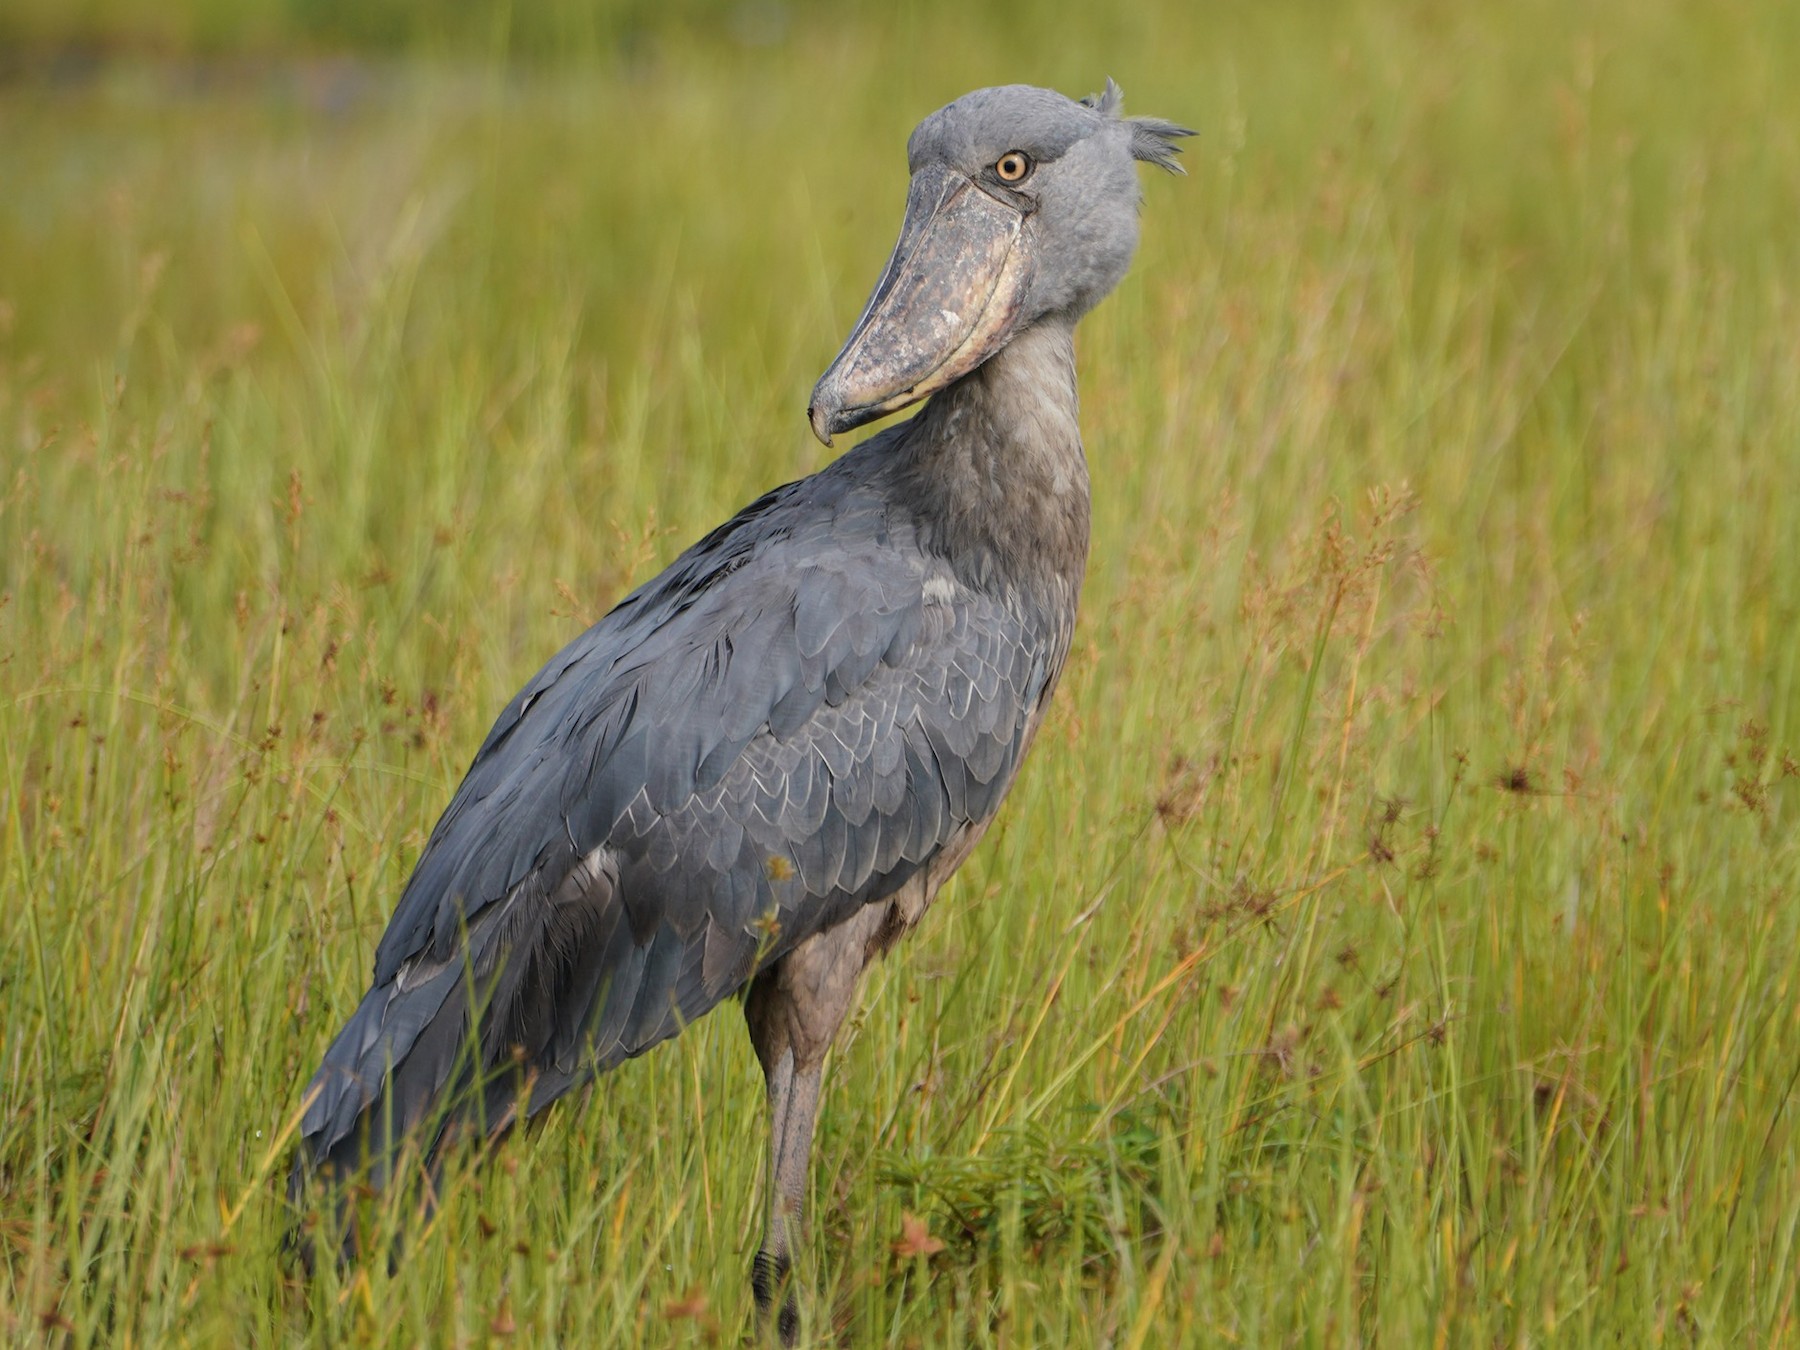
x: 1013, y: 166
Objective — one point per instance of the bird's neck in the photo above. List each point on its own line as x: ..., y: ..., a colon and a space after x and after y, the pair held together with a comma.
x: 995, y: 461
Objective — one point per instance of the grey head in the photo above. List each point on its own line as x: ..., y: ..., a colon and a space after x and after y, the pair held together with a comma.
x: 1023, y: 206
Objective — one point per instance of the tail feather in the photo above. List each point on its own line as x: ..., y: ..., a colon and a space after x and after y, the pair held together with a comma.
x: 448, y: 1051
x: 376, y: 1093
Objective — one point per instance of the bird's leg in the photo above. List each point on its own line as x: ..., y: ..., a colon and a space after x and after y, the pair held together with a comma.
x: 794, y: 1010
x: 793, y: 1108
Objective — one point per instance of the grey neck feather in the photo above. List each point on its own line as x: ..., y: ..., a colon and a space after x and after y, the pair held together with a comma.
x: 994, y: 466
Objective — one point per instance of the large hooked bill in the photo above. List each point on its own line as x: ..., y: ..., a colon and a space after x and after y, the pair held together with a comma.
x: 947, y: 300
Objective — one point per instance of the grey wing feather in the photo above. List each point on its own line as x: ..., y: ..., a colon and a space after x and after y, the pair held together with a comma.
x: 778, y: 729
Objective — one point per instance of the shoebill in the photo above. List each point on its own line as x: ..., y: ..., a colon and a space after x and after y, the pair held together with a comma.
x: 756, y: 772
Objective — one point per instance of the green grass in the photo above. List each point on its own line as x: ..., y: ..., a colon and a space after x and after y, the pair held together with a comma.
x: 1394, y: 937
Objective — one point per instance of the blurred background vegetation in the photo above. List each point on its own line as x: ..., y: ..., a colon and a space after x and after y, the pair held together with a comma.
x: 1394, y: 938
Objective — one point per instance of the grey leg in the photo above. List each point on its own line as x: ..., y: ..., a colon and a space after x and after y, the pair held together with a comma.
x: 794, y: 1010
x: 793, y: 1107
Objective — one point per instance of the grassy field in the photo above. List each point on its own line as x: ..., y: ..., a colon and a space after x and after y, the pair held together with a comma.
x: 1395, y: 938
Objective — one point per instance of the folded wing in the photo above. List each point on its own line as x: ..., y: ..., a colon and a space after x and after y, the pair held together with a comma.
x: 786, y: 725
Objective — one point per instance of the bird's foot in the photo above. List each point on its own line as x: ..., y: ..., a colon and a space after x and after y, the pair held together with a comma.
x: 769, y: 1280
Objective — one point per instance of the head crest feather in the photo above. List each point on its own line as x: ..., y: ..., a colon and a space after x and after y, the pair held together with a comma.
x: 1152, y: 138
